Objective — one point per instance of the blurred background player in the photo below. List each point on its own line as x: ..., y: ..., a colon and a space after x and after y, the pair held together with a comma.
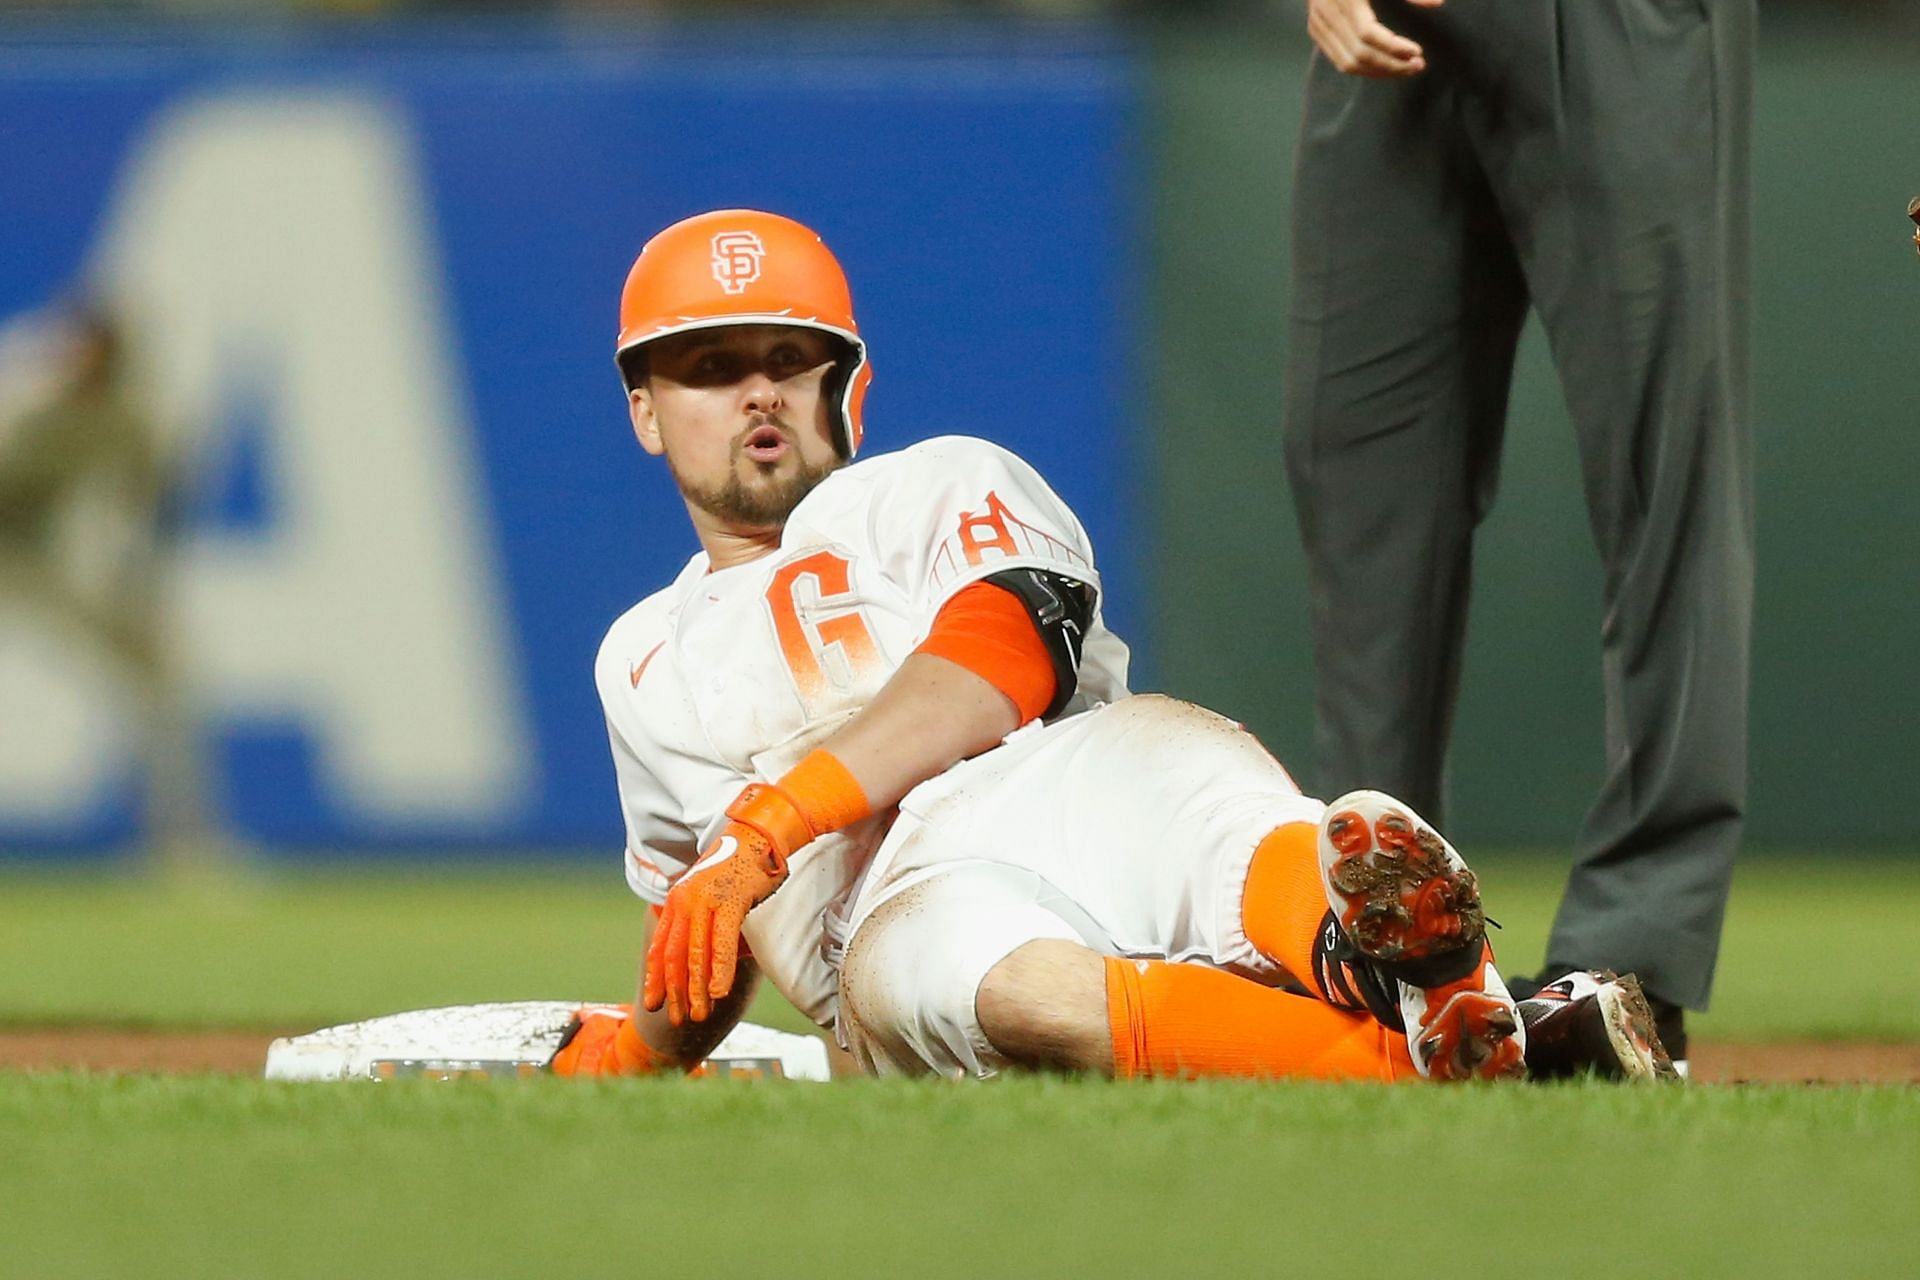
x: 1456, y: 163
x: 807, y: 729
x: 86, y: 498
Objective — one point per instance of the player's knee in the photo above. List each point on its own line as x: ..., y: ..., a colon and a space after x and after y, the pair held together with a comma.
x: 964, y: 974
x: 865, y: 996
x: 1045, y: 1005
x: 903, y: 1014
x: 1196, y: 751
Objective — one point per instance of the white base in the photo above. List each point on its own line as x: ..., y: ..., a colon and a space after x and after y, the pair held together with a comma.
x: 503, y: 1040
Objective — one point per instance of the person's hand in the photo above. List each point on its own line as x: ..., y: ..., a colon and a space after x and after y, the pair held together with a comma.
x: 696, y: 943
x: 604, y: 1042
x: 1358, y: 43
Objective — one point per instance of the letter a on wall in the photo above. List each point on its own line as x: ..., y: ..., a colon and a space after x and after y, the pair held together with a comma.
x: 272, y: 257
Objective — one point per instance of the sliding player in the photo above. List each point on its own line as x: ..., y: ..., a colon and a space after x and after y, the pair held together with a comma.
x: 877, y: 730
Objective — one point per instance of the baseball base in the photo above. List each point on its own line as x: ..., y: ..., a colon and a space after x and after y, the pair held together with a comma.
x: 507, y: 1040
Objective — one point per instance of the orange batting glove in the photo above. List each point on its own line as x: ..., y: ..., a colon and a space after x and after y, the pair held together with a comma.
x: 605, y: 1042
x: 695, y: 950
x: 696, y: 942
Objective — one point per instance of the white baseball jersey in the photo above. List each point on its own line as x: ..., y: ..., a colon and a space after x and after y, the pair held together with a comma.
x: 733, y: 675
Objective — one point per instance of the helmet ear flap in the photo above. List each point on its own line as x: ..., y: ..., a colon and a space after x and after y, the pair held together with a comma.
x: 833, y: 389
x: 632, y: 364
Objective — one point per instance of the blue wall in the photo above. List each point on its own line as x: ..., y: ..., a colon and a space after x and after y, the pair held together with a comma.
x: 979, y: 192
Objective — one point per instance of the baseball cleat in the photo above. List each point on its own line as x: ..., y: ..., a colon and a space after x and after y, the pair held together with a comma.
x: 1408, y: 903
x: 1670, y: 1022
x: 1593, y: 1022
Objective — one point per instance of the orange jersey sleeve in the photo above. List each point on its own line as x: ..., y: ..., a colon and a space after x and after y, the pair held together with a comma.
x: 986, y: 629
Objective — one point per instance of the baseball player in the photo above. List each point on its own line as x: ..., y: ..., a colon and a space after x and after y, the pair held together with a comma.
x: 875, y: 741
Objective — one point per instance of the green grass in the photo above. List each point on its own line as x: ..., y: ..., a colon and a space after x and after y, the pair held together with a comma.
x: 301, y: 949
x: 212, y: 1177
x: 162, y: 1177
x: 1815, y: 947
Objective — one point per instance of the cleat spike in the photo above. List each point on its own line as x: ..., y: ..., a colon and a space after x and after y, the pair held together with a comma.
x: 1411, y: 907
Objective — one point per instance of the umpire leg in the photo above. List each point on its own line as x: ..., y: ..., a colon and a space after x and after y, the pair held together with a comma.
x: 1620, y: 153
x: 1406, y: 309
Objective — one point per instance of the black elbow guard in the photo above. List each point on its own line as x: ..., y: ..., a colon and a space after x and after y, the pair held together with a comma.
x: 1062, y: 610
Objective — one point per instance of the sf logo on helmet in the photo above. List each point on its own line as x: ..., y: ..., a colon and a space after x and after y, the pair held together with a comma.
x: 736, y: 259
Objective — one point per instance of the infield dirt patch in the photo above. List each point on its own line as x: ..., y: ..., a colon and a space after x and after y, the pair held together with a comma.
x: 245, y: 1053
x: 125, y: 1049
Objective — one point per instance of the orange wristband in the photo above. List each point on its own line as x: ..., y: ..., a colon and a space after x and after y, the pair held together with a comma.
x: 827, y: 795
x: 814, y: 797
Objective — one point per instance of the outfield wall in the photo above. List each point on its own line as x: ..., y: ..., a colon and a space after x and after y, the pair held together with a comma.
x: 372, y: 279
x: 373, y: 274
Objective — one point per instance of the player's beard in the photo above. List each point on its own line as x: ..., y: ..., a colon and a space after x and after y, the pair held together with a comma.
x: 764, y: 503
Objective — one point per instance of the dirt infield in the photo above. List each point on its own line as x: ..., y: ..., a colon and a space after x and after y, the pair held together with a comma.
x: 120, y: 1049
x: 1806, y: 1061
x: 245, y: 1052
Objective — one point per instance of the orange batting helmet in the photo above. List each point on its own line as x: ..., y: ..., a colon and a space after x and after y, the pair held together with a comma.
x: 742, y: 266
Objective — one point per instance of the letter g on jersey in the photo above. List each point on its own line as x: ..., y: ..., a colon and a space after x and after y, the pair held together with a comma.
x: 736, y: 259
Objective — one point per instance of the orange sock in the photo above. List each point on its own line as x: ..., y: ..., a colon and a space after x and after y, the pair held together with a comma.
x: 1185, y: 1021
x: 1283, y: 905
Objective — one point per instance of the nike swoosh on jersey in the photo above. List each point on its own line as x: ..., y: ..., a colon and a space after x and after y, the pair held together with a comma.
x: 638, y: 669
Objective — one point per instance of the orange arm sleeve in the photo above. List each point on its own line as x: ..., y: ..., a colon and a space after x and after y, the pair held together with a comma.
x: 989, y: 632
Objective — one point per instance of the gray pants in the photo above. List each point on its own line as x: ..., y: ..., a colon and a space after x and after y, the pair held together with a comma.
x: 1589, y: 157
